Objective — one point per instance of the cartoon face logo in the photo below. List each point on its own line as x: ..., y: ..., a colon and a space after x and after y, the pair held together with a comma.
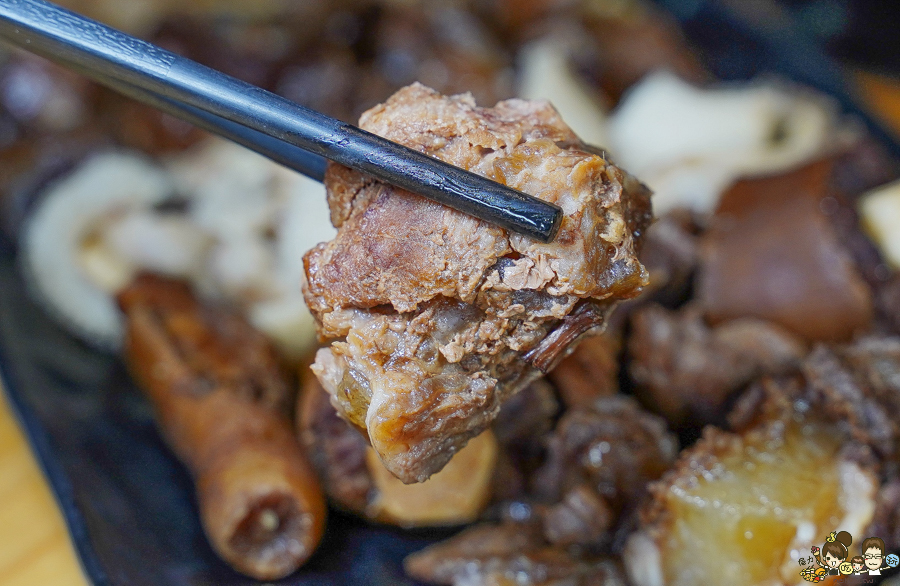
x: 873, y: 552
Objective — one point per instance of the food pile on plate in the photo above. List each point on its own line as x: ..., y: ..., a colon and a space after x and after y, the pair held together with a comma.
x: 689, y: 387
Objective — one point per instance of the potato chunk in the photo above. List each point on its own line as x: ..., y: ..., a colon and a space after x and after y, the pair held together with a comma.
x: 742, y: 509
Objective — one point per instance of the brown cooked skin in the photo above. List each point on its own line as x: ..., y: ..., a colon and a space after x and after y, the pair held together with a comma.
x: 688, y: 371
x: 772, y: 253
x: 599, y: 461
x: 508, y: 554
x: 589, y: 373
x: 336, y: 450
x: 436, y: 317
x: 218, y: 393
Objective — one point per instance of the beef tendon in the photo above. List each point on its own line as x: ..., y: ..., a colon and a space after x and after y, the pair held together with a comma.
x: 435, y: 317
x: 219, y: 397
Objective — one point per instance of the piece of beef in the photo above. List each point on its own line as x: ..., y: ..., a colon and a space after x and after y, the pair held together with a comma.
x: 436, y: 317
x: 671, y: 253
x: 436, y: 43
x: 613, y: 449
x: 854, y: 387
x: 336, y: 450
x: 509, y: 553
x: 521, y: 428
x: 590, y: 372
x: 688, y: 371
x: 772, y: 253
x: 581, y: 518
x: 849, y: 399
x: 634, y: 39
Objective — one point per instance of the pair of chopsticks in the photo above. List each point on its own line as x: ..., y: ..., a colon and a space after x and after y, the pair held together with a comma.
x: 294, y: 136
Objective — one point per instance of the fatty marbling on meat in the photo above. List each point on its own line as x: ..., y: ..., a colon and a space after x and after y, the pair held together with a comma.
x: 435, y: 317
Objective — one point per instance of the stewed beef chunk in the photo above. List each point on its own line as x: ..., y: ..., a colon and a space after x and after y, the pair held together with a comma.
x: 688, y: 370
x: 435, y: 317
x: 772, y: 252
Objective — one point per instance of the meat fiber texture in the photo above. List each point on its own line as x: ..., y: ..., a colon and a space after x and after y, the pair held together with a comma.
x: 434, y: 317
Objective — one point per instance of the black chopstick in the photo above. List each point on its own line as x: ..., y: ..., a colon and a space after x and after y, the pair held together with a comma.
x: 283, y: 153
x: 188, y: 89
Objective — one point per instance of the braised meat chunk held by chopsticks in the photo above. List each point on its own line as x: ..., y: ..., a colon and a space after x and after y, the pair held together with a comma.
x: 220, y: 400
x: 435, y: 317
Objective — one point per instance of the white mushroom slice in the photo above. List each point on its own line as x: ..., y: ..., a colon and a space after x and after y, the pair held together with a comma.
x: 162, y: 243
x: 879, y: 211
x: 229, y: 187
x: 689, y: 144
x: 242, y: 268
x: 547, y: 75
x: 264, y: 217
x: 105, y: 185
x: 287, y: 322
x: 303, y: 222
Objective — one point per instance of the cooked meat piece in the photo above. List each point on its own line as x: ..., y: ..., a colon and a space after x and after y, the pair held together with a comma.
x: 857, y: 414
x: 589, y: 373
x: 355, y: 479
x: 615, y: 448
x: 335, y: 448
x: 507, y: 555
x: 521, y: 428
x: 435, y: 317
x: 636, y: 38
x: 688, y: 371
x: 527, y: 415
x: 439, y: 44
x: 671, y: 253
x: 772, y: 253
x: 218, y: 396
x: 854, y: 387
x: 582, y: 518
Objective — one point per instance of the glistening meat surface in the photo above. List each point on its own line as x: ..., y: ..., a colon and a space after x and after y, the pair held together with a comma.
x: 436, y: 317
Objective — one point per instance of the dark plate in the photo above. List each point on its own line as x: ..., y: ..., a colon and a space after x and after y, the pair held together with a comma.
x: 129, y: 504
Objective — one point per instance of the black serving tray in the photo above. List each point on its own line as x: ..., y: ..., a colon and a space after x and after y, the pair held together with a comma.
x: 129, y: 504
